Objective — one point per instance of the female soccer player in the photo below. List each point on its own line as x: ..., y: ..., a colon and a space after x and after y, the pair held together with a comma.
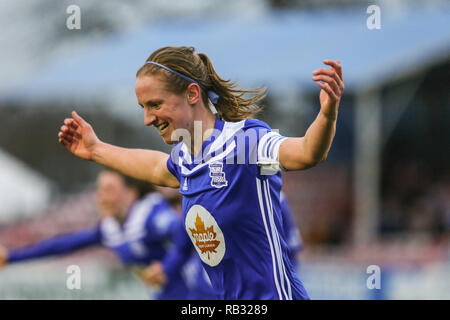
x: 135, y: 225
x: 227, y: 166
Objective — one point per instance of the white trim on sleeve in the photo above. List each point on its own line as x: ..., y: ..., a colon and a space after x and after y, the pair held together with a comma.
x: 268, y: 148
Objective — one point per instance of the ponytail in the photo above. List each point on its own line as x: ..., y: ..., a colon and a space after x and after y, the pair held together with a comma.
x: 232, y: 105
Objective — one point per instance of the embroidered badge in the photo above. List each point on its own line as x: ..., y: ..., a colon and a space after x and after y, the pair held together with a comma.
x: 217, y: 175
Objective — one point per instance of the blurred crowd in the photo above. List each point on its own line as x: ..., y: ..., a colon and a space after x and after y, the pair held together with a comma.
x: 415, y: 203
x: 415, y: 181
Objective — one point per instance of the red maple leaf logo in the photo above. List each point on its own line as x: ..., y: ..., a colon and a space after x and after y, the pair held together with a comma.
x: 205, y: 238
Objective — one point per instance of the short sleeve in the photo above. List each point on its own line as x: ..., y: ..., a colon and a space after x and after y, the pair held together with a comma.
x: 172, y: 161
x: 268, y: 147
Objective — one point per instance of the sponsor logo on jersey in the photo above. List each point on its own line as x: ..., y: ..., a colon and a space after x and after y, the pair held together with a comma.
x: 205, y: 234
x: 217, y: 175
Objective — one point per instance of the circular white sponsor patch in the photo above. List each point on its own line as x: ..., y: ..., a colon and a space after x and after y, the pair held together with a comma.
x: 205, y: 234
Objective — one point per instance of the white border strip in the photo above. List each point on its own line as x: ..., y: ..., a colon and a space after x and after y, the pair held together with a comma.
x: 261, y: 205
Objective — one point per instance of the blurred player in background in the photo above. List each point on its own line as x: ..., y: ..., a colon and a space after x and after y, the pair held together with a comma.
x: 291, y: 232
x: 136, y: 225
x: 227, y: 166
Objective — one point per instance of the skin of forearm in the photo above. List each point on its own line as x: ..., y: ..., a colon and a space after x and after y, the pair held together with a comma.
x: 137, y: 163
x: 320, y: 135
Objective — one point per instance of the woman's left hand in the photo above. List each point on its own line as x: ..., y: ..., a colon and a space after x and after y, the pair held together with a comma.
x: 332, y: 84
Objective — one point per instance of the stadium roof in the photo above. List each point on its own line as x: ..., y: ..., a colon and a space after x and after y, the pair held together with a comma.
x: 23, y: 191
x: 279, y: 50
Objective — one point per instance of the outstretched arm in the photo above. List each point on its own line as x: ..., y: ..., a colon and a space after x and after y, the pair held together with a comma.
x: 305, y: 152
x: 79, y: 138
x: 62, y: 244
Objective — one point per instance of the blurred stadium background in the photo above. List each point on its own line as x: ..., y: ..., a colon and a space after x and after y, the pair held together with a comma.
x: 381, y: 198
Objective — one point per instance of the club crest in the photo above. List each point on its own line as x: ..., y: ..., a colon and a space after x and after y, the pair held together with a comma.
x: 218, y: 179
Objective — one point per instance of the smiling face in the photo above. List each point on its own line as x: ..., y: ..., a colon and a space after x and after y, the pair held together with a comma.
x: 165, y: 110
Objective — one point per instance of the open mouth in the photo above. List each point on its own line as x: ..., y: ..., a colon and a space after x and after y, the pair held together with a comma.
x: 162, y: 127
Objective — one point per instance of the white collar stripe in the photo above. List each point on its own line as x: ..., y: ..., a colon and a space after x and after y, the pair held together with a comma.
x: 228, y: 132
x: 187, y: 171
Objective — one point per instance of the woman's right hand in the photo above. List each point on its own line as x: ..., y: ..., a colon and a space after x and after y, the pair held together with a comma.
x: 154, y: 275
x: 78, y: 137
x: 149, y: 165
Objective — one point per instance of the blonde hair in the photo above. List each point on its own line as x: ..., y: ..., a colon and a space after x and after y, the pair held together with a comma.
x: 232, y: 104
